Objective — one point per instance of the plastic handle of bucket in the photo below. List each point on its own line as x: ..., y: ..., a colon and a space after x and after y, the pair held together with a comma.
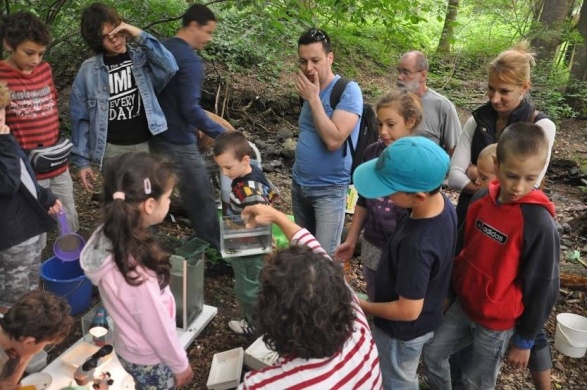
x: 257, y: 153
x: 63, y: 226
x: 569, y: 341
x: 81, y: 282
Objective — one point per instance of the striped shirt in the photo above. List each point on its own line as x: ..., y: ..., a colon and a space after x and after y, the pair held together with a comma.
x: 33, y: 116
x: 355, y: 366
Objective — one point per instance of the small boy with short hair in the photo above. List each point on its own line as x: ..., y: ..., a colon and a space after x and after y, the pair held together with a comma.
x: 506, y: 277
x: 413, y: 276
x: 37, y: 319
x: 232, y: 153
x: 486, y: 161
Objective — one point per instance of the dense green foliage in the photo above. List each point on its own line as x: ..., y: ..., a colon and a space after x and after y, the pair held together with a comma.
x: 259, y: 37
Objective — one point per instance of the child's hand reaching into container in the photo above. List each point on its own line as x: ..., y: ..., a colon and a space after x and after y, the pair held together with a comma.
x: 259, y: 214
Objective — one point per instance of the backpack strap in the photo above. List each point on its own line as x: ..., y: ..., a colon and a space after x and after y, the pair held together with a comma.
x: 335, y: 96
x: 337, y: 91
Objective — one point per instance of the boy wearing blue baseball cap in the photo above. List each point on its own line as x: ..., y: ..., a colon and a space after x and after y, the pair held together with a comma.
x: 414, y: 273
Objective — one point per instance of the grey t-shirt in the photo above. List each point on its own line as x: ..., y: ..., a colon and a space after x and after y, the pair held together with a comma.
x: 440, y: 122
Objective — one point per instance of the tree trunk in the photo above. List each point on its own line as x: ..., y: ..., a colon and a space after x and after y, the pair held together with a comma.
x: 551, y: 17
x: 578, y: 77
x: 447, y: 36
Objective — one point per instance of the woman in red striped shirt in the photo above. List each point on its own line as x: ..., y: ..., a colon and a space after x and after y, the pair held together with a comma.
x: 310, y: 317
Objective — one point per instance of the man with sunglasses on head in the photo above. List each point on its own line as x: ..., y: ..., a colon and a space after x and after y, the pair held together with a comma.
x: 113, y: 105
x: 440, y: 121
x: 321, y: 172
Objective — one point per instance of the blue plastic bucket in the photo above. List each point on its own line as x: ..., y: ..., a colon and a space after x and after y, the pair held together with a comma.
x: 67, y: 280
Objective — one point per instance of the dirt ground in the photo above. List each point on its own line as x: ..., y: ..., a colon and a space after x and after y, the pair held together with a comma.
x: 563, y: 186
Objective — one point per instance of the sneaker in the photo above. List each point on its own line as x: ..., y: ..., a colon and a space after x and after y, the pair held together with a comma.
x: 240, y: 327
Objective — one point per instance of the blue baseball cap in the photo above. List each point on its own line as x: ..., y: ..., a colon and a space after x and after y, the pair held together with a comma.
x: 410, y: 164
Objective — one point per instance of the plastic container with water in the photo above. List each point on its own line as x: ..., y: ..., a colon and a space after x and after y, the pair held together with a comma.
x: 187, y: 281
x: 238, y: 240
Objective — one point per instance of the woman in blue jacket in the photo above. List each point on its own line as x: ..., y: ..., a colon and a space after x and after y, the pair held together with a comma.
x: 113, y: 105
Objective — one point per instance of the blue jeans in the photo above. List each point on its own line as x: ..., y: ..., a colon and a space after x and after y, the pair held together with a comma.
x: 195, y: 188
x: 540, y: 360
x: 399, y: 359
x: 456, y: 332
x: 321, y: 211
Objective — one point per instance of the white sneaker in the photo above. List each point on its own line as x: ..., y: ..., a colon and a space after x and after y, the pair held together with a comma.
x: 240, y: 327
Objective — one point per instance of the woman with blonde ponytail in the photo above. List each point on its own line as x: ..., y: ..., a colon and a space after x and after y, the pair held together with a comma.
x: 509, y: 102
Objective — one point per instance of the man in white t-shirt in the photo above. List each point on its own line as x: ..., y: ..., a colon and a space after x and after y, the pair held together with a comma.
x: 440, y: 121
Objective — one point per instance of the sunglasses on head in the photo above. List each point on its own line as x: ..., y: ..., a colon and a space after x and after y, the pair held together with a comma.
x: 318, y: 35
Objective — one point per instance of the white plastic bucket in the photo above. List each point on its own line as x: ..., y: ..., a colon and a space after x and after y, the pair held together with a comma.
x: 571, y: 335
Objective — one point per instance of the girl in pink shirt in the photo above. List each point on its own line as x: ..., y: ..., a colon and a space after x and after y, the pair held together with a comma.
x: 132, y: 272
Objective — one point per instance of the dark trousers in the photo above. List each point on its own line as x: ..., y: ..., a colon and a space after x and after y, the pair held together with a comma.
x: 195, y: 187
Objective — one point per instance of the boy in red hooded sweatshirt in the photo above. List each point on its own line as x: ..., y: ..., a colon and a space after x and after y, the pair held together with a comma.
x: 506, y: 276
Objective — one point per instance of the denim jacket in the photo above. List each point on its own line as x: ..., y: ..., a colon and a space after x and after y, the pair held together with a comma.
x: 152, y: 66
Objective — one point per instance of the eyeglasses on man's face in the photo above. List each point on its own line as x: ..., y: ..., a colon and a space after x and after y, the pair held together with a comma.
x: 407, y: 72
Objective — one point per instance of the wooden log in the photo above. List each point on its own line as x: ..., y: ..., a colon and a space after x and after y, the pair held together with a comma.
x: 573, y: 276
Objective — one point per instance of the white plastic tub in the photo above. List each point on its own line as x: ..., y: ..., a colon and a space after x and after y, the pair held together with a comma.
x: 226, y: 369
x: 258, y: 356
